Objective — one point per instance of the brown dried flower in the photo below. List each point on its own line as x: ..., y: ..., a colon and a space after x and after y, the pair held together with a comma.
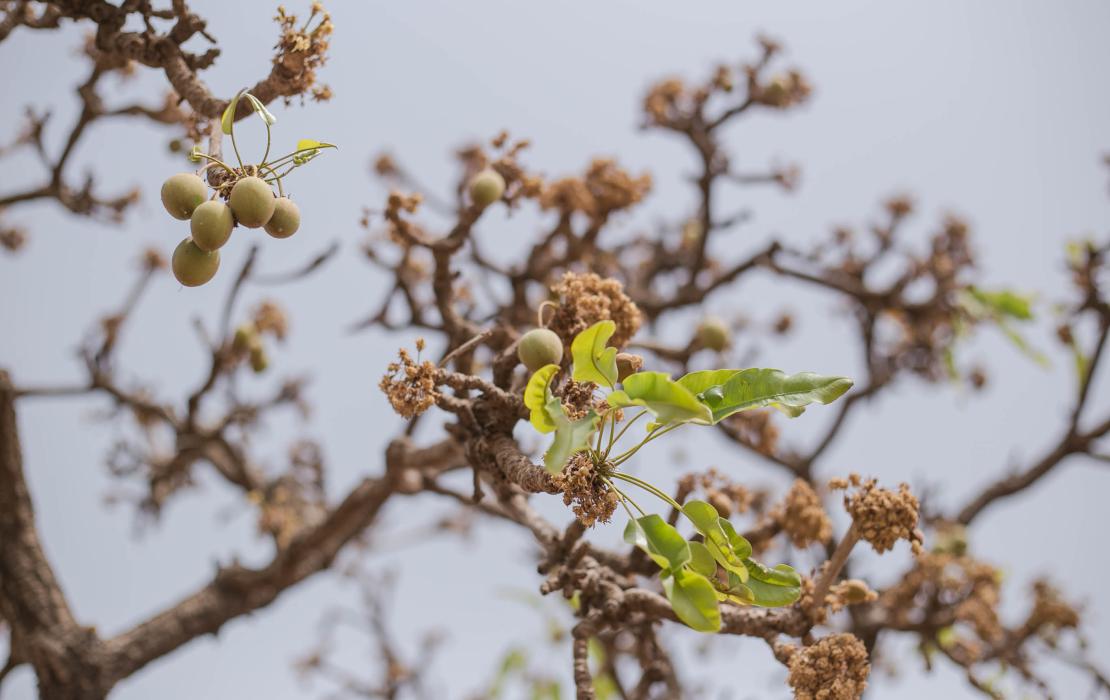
x: 834, y: 668
x: 585, y: 299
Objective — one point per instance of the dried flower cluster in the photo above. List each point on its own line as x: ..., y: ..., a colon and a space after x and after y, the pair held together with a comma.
x: 881, y: 516
x: 802, y: 517
x: 833, y: 668
x: 585, y: 491
x: 410, y: 385
x: 585, y: 299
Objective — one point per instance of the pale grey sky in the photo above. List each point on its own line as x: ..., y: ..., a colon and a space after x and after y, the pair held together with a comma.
x: 995, y: 110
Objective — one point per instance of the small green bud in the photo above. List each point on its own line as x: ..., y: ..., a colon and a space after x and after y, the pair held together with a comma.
x: 486, y: 187
x: 714, y: 334
x: 246, y: 337
x: 538, y: 348
x: 286, y: 219
x: 252, y: 202
x: 192, y: 266
x: 182, y: 193
x: 211, y: 225
x: 259, y: 360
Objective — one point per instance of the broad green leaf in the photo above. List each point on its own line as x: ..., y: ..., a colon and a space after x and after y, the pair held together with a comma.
x: 708, y: 522
x: 694, y: 600
x: 780, y: 575
x: 536, y: 395
x: 665, y: 398
x: 769, y: 595
x: 757, y: 387
x: 701, y: 560
x: 570, y: 436
x: 660, y: 540
x: 702, y: 380
x: 740, y: 545
x: 257, y: 105
x: 1004, y: 302
x: 227, y: 121
x: 593, y: 361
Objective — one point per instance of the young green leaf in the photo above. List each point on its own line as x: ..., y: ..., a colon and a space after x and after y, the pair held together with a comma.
x: 227, y: 121
x: 665, y: 398
x: 257, y: 105
x: 593, y: 361
x: 1004, y: 302
x: 694, y: 600
x: 701, y: 560
x: 659, y: 540
x: 570, y: 436
x: 740, y: 545
x: 307, y: 149
x: 536, y: 396
x: 780, y: 575
x: 753, y: 388
x: 770, y: 595
x: 708, y: 522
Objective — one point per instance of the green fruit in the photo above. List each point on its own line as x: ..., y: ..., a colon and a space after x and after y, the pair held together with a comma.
x: 192, y: 266
x: 252, y: 202
x: 714, y: 334
x: 486, y: 187
x: 246, y: 337
x: 211, y: 225
x: 538, y: 348
x: 259, y: 360
x: 286, y: 219
x: 183, y: 193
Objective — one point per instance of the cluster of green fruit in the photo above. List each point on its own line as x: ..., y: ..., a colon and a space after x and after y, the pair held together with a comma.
x: 248, y: 341
x: 251, y: 203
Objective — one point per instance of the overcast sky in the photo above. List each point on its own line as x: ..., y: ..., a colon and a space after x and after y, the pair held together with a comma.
x: 994, y: 110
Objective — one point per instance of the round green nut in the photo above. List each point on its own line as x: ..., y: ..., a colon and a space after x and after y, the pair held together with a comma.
x: 252, y: 202
x: 182, y: 193
x: 538, y: 348
x: 286, y: 219
x: 192, y: 266
x: 211, y: 225
x: 486, y: 187
x: 259, y: 359
x: 246, y: 337
x: 714, y: 334
x: 627, y: 365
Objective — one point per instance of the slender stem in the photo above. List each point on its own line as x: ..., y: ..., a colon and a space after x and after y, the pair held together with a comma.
x: 627, y: 425
x: 835, y: 564
x: 650, y: 488
x: 218, y: 162
x: 624, y: 497
x: 267, y: 153
x: 625, y: 456
x: 276, y: 178
x: 235, y: 147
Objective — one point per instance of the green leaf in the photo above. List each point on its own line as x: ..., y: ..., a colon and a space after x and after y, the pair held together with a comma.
x: 307, y: 149
x: 593, y: 361
x: 570, y: 436
x: 701, y: 559
x: 257, y: 105
x: 740, y: 390
x: 694, y: 600
x: 665, y: 398
x: 659, y: 540
x: 769, y: 595
x: 708, y: 522
x: 780, y: 575
x: 227, y: 121
x: 740, y: 545
x: 536, y: 395
x: 1004, y: 302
